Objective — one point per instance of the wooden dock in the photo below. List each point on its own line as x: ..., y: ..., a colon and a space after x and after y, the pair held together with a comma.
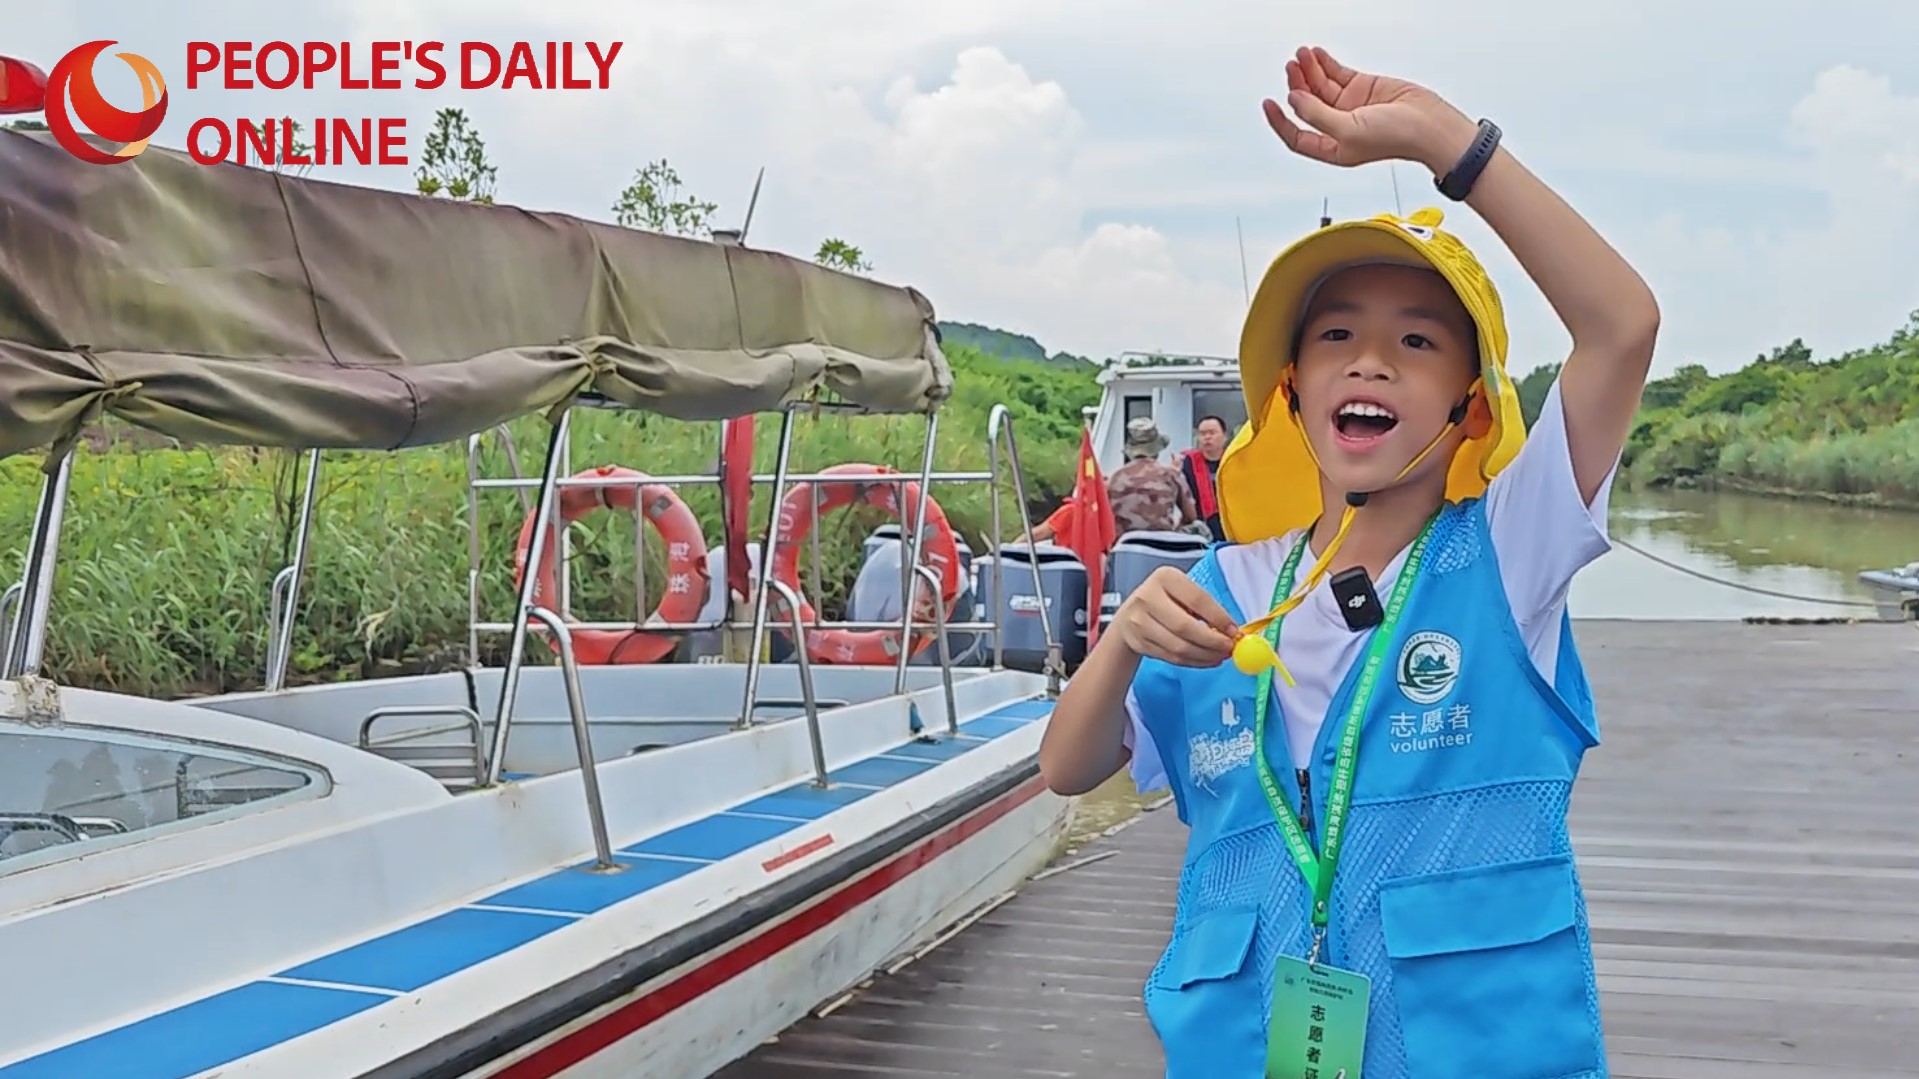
x: 1748, y: 836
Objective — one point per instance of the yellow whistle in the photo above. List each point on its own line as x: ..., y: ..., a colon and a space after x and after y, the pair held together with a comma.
x: 1254, y: 654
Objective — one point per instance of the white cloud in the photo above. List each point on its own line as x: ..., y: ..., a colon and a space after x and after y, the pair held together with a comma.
x: 977, y: 177
x: 1133, y: 291
x: 988, y: 155
x: 1842, y: 276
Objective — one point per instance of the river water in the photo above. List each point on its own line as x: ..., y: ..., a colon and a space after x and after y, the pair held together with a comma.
x: 1809, y: 549
x: 1812, y: 550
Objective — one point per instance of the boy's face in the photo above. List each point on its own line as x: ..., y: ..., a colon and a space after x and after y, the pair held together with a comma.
x: 1385, y: 353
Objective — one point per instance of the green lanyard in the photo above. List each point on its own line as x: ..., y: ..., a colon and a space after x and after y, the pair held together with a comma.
x: 1318, y: 871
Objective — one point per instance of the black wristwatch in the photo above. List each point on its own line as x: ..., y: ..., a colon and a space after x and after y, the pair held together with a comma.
x: 1458, y: 183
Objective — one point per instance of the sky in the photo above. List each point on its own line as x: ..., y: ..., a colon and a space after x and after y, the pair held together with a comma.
x: 1083, y: 171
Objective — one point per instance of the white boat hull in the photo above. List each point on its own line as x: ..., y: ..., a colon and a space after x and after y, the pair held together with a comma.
x: 390, y: 930
x: 706, y: 1013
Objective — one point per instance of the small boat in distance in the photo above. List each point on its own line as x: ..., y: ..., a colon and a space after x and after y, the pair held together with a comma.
x: 1895, y: 592
x: 548, y: 868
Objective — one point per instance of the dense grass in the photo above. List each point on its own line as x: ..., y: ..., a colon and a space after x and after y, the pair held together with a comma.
x: 169, y: 552
x: 1846, y: 429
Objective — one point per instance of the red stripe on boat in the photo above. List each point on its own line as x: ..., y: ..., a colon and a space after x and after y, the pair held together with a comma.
x: 626, y: 1020
x: 811, y: 846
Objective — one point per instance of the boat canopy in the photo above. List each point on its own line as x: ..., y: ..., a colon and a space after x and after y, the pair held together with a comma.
x: 234, y: 305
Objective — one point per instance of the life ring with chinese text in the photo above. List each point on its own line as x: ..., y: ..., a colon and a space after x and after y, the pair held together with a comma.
x: 686, y: 571
x: 939, y: 550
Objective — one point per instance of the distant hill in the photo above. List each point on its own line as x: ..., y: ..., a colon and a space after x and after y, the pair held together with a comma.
x: 1002, y: 343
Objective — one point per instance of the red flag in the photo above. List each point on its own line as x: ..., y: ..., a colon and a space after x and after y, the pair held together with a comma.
x: 1089, y: 532
x: 736, y: 494
x: 23, y: 87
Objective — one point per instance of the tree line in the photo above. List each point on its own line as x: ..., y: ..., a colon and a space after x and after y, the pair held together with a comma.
x: 454, y: 164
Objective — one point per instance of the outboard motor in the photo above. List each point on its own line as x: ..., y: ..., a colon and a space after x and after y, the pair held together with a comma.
x: 890, y: 534
x: 1063, y: 590
x: 1137, y: 554
x: 876, y: 598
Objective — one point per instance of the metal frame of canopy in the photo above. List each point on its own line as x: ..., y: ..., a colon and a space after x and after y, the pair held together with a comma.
x: 25, y: 607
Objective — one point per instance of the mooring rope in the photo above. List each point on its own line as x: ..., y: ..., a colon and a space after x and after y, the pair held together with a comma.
x: 1669, y: 564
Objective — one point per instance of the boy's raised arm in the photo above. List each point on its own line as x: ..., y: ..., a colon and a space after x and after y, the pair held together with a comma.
x: 1605, y: 305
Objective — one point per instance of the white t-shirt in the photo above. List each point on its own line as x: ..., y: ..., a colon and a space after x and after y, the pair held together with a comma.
x: 1542, y: 530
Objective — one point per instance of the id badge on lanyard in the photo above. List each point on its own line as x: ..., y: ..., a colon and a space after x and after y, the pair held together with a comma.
x: 1318, y: 1024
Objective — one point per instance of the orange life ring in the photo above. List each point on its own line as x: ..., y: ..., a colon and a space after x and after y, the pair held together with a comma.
x: 940, y: 551
x: 686, y: 572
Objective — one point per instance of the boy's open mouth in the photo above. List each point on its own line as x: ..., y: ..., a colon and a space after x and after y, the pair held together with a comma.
x: 1363, y: 421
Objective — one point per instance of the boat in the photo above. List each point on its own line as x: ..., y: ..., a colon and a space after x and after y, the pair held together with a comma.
x: 1175, y: 391
x: 542, y: 868
x: 1895, y: 592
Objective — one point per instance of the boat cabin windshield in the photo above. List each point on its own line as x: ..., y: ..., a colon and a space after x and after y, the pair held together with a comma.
x: 74, y: 790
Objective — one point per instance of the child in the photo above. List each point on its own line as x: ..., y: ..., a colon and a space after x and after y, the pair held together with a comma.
x: 1416, y: 913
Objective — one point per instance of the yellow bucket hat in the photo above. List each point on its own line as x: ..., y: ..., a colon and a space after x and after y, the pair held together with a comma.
x: 1268, y: 481
x: 1267, y: 478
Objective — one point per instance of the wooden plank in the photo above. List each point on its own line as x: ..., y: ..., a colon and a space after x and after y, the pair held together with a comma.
x: 1754, y: 888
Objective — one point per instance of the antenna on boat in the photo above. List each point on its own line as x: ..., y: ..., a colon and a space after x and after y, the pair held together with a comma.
x: 1245, y: 282
x: 751, y: 203
x: 1393, y: 170
x: 1325, y: 213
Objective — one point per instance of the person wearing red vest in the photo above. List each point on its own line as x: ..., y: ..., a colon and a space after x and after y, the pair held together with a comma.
x: 1200, y: 466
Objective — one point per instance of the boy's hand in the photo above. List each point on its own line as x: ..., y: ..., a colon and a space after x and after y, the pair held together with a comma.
x: 1170, y: 618
x: 1361, y: 118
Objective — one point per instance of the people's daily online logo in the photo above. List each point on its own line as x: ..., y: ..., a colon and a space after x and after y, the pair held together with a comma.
x: 75, y: 107
x: 74, y: 102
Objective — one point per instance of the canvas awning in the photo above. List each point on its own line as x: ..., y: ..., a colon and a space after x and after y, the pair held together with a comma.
x: 226, y: 304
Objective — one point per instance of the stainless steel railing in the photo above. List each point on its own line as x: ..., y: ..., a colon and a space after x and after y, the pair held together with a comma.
x: 24, y: 606
x: 809, y: 700
x: 544, y: 506
x: 26, y: 636
x: 926, y: 574
x: 283, y: 599
x: 1001, y: 443
x: 999, y: 427
x: 582, y: 735
x: 9, y: 618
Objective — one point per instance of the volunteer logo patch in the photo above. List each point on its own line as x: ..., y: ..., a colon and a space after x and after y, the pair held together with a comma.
x: 1428, y: 667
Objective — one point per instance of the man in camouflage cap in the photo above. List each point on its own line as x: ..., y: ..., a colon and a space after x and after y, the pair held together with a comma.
x: 1148, y: 496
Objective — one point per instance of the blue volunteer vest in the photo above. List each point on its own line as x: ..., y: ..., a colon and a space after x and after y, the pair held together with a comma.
x: 1456, y: 892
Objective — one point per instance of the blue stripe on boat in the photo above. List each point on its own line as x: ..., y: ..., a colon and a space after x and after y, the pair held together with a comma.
x: 943, y: 750
x: 715, y: 838
x: 993, y: 725
x: 581, y: 889
x: 1026, y: 710
x: 878, y: 772
x: 195, y: 1037
x: 239, y: 1022
x: 425, y: 952
x: 805, y: 801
